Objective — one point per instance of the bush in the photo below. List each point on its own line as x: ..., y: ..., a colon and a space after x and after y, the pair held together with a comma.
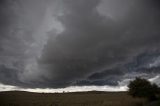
x: 143, y: 88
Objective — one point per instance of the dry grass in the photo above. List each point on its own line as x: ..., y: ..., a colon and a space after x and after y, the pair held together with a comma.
x: 68, y: 99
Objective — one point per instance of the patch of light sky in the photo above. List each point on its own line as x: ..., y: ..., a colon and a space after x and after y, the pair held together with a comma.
x: 122, y: 86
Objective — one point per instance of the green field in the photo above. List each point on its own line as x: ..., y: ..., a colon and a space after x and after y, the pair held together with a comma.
x: 18, y: 98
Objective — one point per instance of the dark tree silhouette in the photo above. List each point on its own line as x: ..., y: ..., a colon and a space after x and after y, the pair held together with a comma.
x: 143, y: 88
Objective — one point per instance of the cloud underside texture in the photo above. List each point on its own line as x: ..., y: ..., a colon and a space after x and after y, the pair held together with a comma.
x: 102, y: 42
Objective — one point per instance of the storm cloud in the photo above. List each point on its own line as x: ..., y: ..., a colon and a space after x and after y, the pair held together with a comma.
x: 61, y: 43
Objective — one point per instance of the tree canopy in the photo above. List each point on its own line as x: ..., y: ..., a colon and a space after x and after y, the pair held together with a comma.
x: 143, y: 88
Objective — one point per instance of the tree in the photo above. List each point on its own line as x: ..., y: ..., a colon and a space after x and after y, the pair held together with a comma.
x: 143, y: 88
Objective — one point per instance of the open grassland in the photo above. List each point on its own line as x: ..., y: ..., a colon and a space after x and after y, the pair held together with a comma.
x: 17, y: 98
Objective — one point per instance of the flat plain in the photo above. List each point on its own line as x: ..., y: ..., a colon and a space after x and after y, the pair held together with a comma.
x: 92, y: 98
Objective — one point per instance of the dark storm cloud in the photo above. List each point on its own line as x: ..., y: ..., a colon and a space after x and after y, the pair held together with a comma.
x: 8, y: 76
x: 91, y: 42
x: 100, y: 44
x: 144, y: 60
x: 110, y: 72
x: 17, y: 25
x: 111, y: 81
x: 107, y: 77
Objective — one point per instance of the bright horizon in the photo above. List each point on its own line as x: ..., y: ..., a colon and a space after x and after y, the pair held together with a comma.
x: 122, y: 87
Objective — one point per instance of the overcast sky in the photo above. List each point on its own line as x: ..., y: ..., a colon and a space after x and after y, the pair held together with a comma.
x: 65, y: 44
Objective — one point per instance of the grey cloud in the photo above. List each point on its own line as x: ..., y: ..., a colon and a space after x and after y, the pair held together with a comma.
x: 110, y: 72
x: 109, y: 81
x: 95, y: 47
x: 8, y: 76
x: 91, y: 42
x: 18, y: 22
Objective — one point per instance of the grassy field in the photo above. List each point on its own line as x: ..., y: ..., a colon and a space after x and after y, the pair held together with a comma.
x: 17, y: 98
